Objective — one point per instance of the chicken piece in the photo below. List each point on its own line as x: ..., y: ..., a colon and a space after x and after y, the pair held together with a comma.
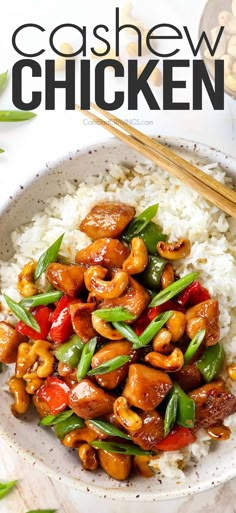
x: 107, y: 219
x: 112, y: 379
x: 115, y: 465
x: 213, y: 404
x: 151, y: 432
x: 204, y: 315
x: 89, y: 401
x: 145, y: 387
x: 10, y: 339
x: 68, y: 278
x: 135, y: 299
x: 106, y: 252
x: 189, y: 377
x: 81, y: 319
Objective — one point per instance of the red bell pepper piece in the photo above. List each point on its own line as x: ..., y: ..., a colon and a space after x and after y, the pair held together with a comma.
x: 55, y: 393
x: 179, y: 437
x: 42, y: 315
x: 193, y: 295
x: 61, y: 329
x: 169, y: 305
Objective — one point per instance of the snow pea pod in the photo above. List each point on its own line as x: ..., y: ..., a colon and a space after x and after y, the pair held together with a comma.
x: 211, y: 362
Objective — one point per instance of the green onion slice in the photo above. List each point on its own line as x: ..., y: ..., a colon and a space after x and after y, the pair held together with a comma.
x: 49, y: 256
x: 173, y: 289
x: 3, y: 80
x: 139, y: 223
x: 86, y: 358
x: 110, y: 365
x: 108, y: 428
x: 15, y: 115
x: 152, y: 329
x: 41, y: 299
x: 22, y: 313
x: 127, y: 332
x: 6, y: 487
x: 193, y: 346
x: 130, y: 449
x: 114, y: 314
x: 52, y: 420
x: 42, y: 511
x: 170, y: 413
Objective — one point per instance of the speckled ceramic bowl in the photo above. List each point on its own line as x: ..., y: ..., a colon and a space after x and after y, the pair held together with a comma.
x: 40, y: 445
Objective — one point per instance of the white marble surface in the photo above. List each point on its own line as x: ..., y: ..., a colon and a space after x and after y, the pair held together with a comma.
x: 29, y: 147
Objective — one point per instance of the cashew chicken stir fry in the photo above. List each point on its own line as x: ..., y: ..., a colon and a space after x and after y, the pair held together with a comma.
x: 118, y: 354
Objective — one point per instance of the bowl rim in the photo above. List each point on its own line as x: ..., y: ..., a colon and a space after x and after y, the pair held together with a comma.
x: 116, y: 493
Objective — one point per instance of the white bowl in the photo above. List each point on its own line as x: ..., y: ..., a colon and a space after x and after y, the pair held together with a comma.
x: 40, y: 445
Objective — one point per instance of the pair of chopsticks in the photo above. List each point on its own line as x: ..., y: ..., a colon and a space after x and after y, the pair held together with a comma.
x: 212, y: 190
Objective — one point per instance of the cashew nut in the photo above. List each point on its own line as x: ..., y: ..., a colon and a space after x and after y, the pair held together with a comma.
x: 231, y: 49
x: 142, y: 467
x: 75, y: 437
x: 221, y: 48
x: 227, y: 19
x: 26, y: 286
x: 22, y: 401
x: 88, y: 457
x: 126, y: 417
x: 176, y: 325
x: 228, y: 63
x: 231, y: 370
x: 105, y: 289
x: 93, y: 272
x: 174, y: 250
x: 25, y: 359
x: 219, y: 433
x: 234, y: 7
x: 137, y: 261
x: 42, y: 348
x: 168, y: 276
x: 161, y: 342
x: 171, y: 363
x: 33, y: 382
x: 230, y: 81
x: 105, y: 329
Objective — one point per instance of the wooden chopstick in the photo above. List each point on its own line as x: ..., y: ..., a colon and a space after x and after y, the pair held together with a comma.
x: 208, y: 187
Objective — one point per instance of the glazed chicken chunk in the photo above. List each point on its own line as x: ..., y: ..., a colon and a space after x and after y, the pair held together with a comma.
x: 107, y: 219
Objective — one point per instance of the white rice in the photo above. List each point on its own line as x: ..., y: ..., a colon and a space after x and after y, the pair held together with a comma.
x: 182, y: 213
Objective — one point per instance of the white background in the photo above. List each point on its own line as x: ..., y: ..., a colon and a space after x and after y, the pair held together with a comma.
x: 29, y: 146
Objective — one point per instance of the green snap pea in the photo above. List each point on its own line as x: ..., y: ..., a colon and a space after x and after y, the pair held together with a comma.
x: 211, y: 362
x: 151, y: 276
x: 151, y: 235
x: 68, y: 425
x: 70, y: 352
x: 185, y: 408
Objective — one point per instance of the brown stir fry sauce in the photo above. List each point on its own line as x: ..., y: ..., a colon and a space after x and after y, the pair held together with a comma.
x: 157, y: 364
